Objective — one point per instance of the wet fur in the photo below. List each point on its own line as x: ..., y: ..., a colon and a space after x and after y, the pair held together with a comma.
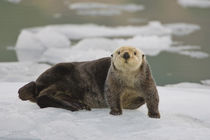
x: 72, y: 86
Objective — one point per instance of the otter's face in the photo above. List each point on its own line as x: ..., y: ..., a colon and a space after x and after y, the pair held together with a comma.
x: 127, y: 58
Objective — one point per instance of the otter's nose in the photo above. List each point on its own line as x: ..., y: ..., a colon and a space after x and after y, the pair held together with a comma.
x: 126, y: 55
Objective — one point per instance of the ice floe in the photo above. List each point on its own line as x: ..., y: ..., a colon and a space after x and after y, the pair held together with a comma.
x: 195, y: 54
x: 192, y: 51
x: 81, y: 31
x: 195, y: 3
x: 31, y: 46
x: 103, y: 9
x: 182, y: 28
x: 206, y: 82
x: 14, y: 1
x: 184, y: 116
x: 52, y: 43
x: 20, y: 71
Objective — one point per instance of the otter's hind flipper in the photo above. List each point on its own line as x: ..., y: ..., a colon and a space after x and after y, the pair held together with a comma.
x: 27, y: 92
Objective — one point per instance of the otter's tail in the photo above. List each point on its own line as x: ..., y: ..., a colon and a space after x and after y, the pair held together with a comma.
x: 28, y: 92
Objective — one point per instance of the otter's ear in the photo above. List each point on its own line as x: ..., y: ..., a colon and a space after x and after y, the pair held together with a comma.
x: 111, y: 55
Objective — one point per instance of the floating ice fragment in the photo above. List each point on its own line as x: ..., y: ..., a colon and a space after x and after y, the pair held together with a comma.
x: 182, y: 28
x: 28, y: 46
x: 84, y: 50
x: 52, y: 43
x: 206, y: 82
x: 14, y: 1
x: 188, y: 85
x: 99, y: 12
x: 31, y: 45
x: 94, y: 48
x: 151, y: 45
x: 188, y: 50
x: 195, y: 54
x: 195, y: 3
x: 52, y: 39
x: 103, y: 9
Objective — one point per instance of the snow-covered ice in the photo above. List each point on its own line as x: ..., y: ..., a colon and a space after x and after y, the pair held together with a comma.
x: 20, y: 71
x: 52, y: 43
x: 195, y: 3
x: 103, y: 9
x: 184, y: 115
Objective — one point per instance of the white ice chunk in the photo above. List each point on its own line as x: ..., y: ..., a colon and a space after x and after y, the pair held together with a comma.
x: 188, y: 50
x: 51, y: 43
x: 96, y: 44
x: 99, y: 12
x: 189, y: 85
x: 20, y: 71
x: 151, y: 45
x: 206, y: 82
x: 76, y: 31
x: 195, y: 54
x: 30, y: 45
x: 51, y: 39
x: 195, y: 3
x: 55, y: 55
x: 103, y: 9
x: 84, y: 50
x: 94, y: 48
x: 182, y: 28
x: 14, y: 1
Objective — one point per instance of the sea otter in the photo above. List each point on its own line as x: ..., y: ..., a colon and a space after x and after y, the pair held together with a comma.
x: 85, y: 85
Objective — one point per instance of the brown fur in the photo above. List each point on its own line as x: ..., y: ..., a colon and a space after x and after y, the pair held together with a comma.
x: 72, y: 86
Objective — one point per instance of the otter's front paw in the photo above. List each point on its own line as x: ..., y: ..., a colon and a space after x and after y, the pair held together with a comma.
x: 154, y: 115
x: 116, y: 112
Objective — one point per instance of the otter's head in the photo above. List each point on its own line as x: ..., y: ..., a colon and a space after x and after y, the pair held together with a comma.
x: 127, y: 58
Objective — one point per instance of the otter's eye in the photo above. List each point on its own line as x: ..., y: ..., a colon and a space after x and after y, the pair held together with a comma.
x: 111, y: 55
x: 134, y: 53
x: 118, y: 52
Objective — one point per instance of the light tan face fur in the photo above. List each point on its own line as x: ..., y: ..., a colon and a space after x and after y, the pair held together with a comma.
x: 134, y: 61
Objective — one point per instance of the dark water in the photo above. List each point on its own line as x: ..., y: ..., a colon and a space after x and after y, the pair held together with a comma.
x: 167, y: 67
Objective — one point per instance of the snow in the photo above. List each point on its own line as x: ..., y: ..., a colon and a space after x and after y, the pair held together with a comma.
x: 183, y: 107
x: 20, y: 71
x: 103, y: 9
x: 195, y: 3
x: 52, y: 44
